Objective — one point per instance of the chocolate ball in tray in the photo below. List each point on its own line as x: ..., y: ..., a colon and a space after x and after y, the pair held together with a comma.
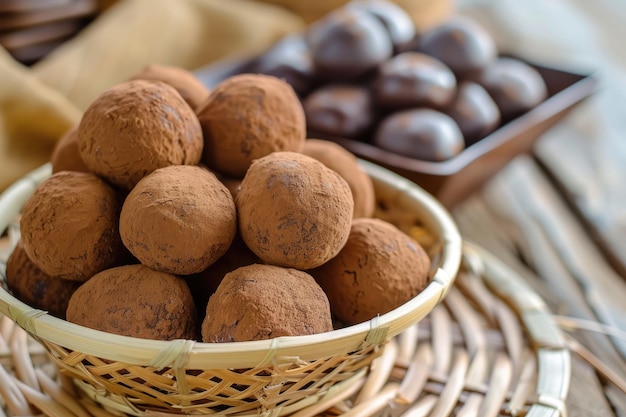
x: 65, y: 156
x: 259, y: 302
x: 135, y: 128
x: 69, y: 226
x: 474, y: 111
x: 34, y: 287
x: 378, y: 269
x: 136, y: 301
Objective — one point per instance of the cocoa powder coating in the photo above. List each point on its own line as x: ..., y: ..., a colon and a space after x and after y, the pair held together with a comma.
x: 65, y: 156
x: 136, y: 301
x: 379, y: 269
x: 343, y: 162
x: 258, y: 302
x: 294, y: 211
x: 34, y: 287
x: 247, y: 117
x: 178, y: 219
x: 188, y: 86
x: 69, y: 226
x: 136, y: 127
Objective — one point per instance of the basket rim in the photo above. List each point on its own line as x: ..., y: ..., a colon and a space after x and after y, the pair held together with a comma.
x: 199, y: 355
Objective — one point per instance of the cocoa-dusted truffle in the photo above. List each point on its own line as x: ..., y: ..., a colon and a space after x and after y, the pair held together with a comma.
x: 136, y: 301
x: 178, y: 219
x: 294, y: 211
x: 34, y: 287
x: 342, y: 161
x: 69, y: 226
x: 379, y: 269
x: 188, y: 86
x: 136, y: 127
x: 65, y: 156
x: 420, y: 133
x: 258, y: 302
x: 247, y: 117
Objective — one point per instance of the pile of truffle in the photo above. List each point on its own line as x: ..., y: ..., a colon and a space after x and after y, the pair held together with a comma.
x: 178, y: 212
x: 364, y: 73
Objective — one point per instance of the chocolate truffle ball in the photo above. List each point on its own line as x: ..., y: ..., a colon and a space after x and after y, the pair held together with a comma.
x: 136, y: 301
x: 247, y: 117
x: 460, y: 43
x: 347, y: 44
x: 290, y: 60
x: 396, y: 21
x: 379, y: 269
x: 259, y: 302
x: 65, y: 156
x: 413, y: 79
x: 344, y: 163
x: 515, y: 86
x: 69, y: 226
x: 293, y: 211
x: 474, y: 111
x: 424, y: 134
x: 188, y: 86
x: 178, y: 219
x: 339, y: 110
x: 136, y: 127
x: 34, y: 287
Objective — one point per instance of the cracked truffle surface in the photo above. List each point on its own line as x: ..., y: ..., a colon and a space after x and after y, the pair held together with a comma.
x: 343, y: 162
x: 258, y: 302
x: 247, y: 117
x: 379, y: 269
x: 294, y: 211
x: 31, y: 285
x: 135, y: 301
x: 178, y: 219
x: 136, y: 127
x: 69, y: 226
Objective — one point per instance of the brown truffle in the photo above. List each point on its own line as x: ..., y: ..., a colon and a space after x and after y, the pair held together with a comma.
x: 188, y: 86
x: 65, y: 156
x: 178, y: 219
x: 379, y: 269
x: 340, y: 160
x: 69, y: 226
x: 293, y: 211
x: 135, y: 301
x: 136, y: 127
x: 258, y: 302
x: 247, y: 117
x: 34, y: 287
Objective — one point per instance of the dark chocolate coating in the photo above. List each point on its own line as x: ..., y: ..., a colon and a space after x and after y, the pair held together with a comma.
x: 347, y: 44
x: 515, y: 86
x: 461, y: 44
x: 289, y: 59
x: 396, y: 21
x: 474, y: 111
x: 339, y: 110
x: 413, y: 79
x: 423, y: 134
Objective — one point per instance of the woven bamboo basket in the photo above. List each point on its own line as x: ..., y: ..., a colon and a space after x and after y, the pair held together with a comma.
x: 492, y: 348
x: 270, y: 377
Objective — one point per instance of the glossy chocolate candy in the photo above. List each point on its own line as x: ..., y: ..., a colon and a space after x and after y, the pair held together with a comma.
x: 474, y: 111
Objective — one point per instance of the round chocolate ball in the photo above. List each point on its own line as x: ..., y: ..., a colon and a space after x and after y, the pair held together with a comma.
x: 396, y: 21
x: 69, y: 226
x: 249, y: 116
x: 515, y: 86
x: 136, y: 127
x: 474, y: 111
x: 460, y: 43
x: 423, y: 134
x: 178, y: 219
x: 339, y: 110
x: 413, y: 79
x: 347, y: 44
x: 65, y: 156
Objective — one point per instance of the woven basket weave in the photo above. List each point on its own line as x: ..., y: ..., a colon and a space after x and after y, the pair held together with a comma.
x: 270, y: 377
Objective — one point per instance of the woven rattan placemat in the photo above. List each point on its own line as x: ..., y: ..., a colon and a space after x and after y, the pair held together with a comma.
x: 492, y: 348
